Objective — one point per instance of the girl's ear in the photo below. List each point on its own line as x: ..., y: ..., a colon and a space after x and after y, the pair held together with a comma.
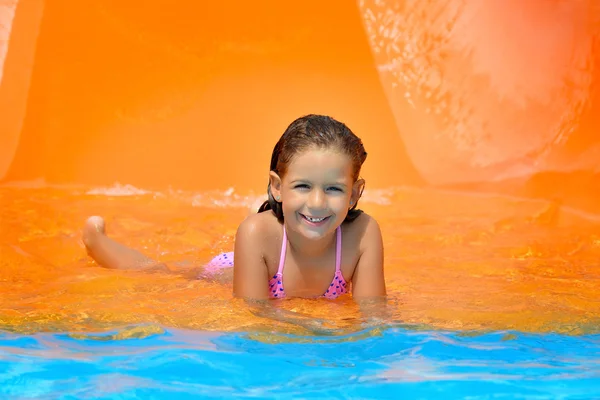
x: 275, y: 182
x: 357, y: 190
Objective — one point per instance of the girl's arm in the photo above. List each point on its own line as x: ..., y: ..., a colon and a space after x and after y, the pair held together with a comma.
x: 266, y: 309
x: 368, y: 283
x: 250, y: 273
x: 368, y: 280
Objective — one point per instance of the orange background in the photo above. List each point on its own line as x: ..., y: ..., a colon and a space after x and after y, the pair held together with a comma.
x: 480, y: 95
x: 193, y: 95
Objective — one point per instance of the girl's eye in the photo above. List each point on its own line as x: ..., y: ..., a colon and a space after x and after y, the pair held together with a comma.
x: 335, y: 189
x: 301, y: 186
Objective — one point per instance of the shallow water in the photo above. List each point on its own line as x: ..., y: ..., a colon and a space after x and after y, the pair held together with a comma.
x: 489, y: 296
x: 453, y: 261
x: 379, y: 363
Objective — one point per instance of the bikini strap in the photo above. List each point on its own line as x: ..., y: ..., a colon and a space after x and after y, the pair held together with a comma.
x: 338, y: 250
x: 283, y: 250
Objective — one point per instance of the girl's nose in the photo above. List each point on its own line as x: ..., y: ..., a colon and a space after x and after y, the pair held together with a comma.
x: 316, y: 199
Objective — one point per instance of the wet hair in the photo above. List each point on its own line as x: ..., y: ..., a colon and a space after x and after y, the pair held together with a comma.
x: 314, y: 131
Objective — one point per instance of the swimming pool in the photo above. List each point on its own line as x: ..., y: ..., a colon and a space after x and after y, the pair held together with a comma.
x: 394, y: 362
x: 490, y: 297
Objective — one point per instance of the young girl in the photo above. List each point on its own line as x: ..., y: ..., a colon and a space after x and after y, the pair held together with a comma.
x: 308, y: 239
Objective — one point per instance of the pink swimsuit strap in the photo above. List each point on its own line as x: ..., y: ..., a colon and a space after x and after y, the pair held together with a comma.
x: 282, y: 254
x: 337, y: 287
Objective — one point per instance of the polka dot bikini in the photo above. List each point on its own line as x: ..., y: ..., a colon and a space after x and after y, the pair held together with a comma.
x: 336, y: 288
x: 222, y: 261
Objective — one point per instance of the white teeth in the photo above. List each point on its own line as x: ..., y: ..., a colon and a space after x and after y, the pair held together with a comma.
x: 314, y: 219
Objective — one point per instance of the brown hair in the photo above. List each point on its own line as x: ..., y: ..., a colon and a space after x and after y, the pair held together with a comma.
x: 318, y: 131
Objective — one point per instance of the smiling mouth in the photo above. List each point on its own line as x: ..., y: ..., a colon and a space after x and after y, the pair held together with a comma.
x: 312, y: 219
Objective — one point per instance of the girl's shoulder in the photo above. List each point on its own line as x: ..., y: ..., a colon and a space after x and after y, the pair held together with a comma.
x: 258, y: 226
x: 361, y: 224
x: 264, y: 227
x: 363, y: 231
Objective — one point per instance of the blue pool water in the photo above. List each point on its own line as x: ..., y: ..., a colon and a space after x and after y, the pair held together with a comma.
x: 390, y: 363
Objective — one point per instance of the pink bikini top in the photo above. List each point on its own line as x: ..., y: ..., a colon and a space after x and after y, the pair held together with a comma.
x: 336, y: 288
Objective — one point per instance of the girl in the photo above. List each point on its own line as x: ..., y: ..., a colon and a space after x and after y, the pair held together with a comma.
x: 308, y: 239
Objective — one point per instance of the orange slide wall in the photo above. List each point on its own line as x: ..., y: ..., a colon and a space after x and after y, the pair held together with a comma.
x: 499, y: 95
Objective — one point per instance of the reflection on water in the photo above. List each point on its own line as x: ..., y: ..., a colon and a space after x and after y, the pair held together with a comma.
x: 453, y: 261
x: 373, y: 363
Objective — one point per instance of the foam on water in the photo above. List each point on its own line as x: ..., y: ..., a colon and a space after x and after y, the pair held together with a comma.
x: 223, y: 198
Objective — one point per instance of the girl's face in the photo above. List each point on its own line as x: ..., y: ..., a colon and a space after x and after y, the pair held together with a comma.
x: 316, y: 192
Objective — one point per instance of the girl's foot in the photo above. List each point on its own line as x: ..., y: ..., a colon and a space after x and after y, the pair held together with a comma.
x: 112, y: 254
x: 94, y: 226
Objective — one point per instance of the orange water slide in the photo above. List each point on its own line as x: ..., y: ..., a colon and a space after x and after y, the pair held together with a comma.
x: 498, y: 95
x: 190, y: 94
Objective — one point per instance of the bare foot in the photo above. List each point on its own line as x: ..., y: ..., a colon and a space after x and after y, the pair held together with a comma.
x: 112, y: 254
x: 93, y: 227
